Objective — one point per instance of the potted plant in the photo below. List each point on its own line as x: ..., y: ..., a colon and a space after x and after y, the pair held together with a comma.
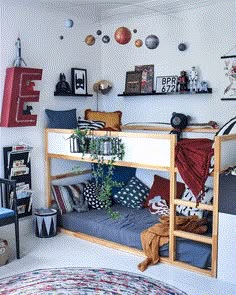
x: 104, y: 151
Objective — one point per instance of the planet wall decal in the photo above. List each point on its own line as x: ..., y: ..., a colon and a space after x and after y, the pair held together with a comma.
x: 90, y: 40
x: 138, y: 43
x: 152, y: 41
x: 99, y: 32
x: 105, y: 39
x: 69, y: 23
x: 122, y: 35
x: 182, y: 47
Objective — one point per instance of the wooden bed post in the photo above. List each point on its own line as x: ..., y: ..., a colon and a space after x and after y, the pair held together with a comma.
x: 172, y: 239
x: 47, y: 170
x: 215, y: 213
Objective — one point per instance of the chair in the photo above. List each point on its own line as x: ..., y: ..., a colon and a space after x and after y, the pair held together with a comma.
x: 8, y: 208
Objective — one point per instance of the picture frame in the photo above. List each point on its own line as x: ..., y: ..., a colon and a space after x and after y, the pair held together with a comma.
x: 133, y: 82
x: 147, y: 79
x: 166, y: 84
x: 229, y: 77
x: 79, y: 81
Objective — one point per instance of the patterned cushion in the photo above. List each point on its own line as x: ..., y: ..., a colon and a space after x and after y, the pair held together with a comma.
x: 228, y: 128
x: 158, y: 206
x: 133, y: 194
x: 112, y: 119
x: 161, y: 188
x: 69, y: 197
x: 90, y: 125
x: 189, y: 196
x: 90, y: 194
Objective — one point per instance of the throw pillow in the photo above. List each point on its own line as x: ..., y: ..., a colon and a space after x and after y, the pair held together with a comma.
x: 228, y: 128
x: 121, y: 175
x: 68, y: 197
x: 159, y: 206
x: 161, y: 187
x: 90, y: 125
x: 112, y: 119
x: 61, y: 119
x: 91, y: 195
x: 133, y: 194
x: 189, y: 196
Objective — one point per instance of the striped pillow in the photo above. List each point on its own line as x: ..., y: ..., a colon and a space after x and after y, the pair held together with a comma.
x: 228, y: 128
x: 69, y: 197
x: 90, y: 125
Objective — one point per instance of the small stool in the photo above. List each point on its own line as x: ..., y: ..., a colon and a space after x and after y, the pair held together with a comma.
x: 4, y: 252
x: 45, y: 222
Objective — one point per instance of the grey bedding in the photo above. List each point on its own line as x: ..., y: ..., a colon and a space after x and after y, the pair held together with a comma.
x: 127, y: 229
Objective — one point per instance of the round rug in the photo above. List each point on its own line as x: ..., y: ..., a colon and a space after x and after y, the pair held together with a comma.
x: 83, y: 281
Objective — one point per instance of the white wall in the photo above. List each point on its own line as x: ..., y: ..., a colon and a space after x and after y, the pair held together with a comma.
x: 42, y: 48
x: 209, y: 33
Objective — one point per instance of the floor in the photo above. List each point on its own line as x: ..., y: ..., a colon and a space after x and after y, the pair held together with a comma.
x: 63, y: 251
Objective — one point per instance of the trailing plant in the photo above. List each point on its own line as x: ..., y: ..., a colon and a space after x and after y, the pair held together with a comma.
x: 104, y: 151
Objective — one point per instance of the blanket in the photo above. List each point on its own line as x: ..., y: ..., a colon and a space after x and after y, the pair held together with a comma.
x: 193, y: 158
x: 157, y: 235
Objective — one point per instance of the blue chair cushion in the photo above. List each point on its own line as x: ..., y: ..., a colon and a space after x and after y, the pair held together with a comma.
x: 4, y: 213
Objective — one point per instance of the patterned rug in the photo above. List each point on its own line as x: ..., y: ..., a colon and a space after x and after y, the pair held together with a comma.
x: 83, y: 281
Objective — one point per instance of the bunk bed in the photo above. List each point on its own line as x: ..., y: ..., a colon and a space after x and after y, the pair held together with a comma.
x: 153, y: 151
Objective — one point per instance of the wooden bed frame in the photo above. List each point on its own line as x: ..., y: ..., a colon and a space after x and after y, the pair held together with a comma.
x: 58, y: 147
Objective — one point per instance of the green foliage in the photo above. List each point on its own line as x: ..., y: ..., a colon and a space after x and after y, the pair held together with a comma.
x: 95, y: 146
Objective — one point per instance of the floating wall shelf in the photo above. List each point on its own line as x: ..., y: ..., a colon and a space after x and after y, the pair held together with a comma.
x: 70, y: 94
x: 164, y: 93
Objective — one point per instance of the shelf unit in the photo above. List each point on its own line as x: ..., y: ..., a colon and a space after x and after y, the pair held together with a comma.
x: 165, y: 93
x: 71, y: 94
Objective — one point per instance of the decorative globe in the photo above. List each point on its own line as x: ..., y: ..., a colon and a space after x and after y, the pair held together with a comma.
x: 138, y: 43
x: 152, y: 41
x: 90, y: 40
x: 105, y: 39
x: 182, y: 47
x: 69, y: 23
x: 122, y: 35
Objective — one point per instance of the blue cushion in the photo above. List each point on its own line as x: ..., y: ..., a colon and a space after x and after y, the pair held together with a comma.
x: 120, y: 174
x: 4, y: 213
x: 62, y: 119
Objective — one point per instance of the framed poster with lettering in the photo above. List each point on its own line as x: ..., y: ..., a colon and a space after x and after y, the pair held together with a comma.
x: 147, y: 78
x: 166, y: 84
x: 133, y: 82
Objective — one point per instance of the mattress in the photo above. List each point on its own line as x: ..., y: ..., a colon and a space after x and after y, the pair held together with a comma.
x: 126, y: 230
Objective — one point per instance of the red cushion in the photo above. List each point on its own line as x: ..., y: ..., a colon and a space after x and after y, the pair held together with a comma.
x: 161, y: 187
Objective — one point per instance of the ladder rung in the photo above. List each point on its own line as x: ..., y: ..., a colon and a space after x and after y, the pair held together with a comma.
x: 193, y: 204
x: 194, y: 237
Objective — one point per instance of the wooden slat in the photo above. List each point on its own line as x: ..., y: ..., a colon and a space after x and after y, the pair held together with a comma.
x: 168, y: 129
x: 193, y: 204
x: 193, y: 237
x: 133, y: 251
x: 70, y: 174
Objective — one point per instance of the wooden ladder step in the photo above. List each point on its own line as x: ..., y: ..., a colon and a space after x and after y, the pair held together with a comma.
x: 194, y: 237
x: 193, y: 205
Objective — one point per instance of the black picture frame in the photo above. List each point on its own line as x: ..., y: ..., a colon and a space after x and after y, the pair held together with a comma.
x: 79, y: 81
x: 147, y: 80
x: 133, y: 82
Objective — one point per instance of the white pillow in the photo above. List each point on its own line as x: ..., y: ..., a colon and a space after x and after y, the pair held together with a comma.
x: 189, y: 196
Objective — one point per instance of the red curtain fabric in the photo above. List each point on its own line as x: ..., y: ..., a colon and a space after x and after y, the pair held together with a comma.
x: 193, y: 158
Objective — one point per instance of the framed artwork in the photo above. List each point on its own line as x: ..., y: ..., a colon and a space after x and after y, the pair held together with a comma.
x: 79, y: 81
x: 147, y: 79
x: 229, y: 77
x: 133, y: 82
x: 166, y: 84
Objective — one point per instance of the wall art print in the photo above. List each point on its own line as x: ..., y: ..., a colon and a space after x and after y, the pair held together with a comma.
x: 229, y: 77
x: 133, y: 82
x: 147, y: 78
x: 79, y: 81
